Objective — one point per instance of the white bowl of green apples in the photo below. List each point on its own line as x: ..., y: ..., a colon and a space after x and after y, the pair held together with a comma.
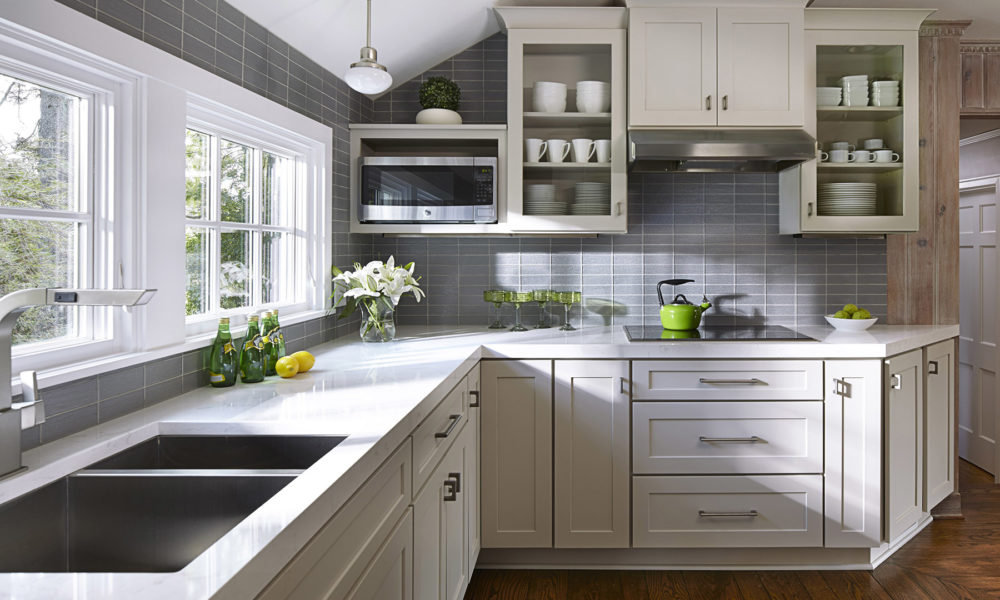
x: 851, y: 318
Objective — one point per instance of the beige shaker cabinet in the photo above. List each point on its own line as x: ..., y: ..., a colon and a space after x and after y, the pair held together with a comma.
x: 474, y: 394
x: 697, y: 66
x: 939, y: 423
x: 903, y: 443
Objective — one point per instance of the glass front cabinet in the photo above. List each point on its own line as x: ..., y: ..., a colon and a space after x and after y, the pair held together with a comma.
x: 873, y: 186
x: 566, y: 119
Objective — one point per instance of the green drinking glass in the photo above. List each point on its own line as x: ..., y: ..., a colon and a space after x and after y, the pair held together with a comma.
x: 517, y: 299
x: 496, y: 297
x: 567, y: 299
x: 542, y: 297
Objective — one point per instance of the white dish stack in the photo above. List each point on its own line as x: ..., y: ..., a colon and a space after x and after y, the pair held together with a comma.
x: 540, y: 199
x: 549, y: 96
x: 885, y: 93
x: 591, y: 198
x: 593, y: 96
x: 846, y: 199
x: 855, y: 90
x: 828, y: 96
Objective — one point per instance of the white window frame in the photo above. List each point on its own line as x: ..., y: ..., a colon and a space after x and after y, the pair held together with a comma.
x: 107, y: 172
x: 307, y: 239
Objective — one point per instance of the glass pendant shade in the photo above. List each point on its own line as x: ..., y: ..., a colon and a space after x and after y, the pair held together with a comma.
x: 366, y: 75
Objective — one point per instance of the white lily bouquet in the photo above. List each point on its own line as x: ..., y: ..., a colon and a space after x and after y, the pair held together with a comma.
x: 377, y: 288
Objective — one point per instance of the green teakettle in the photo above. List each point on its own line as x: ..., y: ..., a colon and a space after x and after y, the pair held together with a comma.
x: 680, y: 315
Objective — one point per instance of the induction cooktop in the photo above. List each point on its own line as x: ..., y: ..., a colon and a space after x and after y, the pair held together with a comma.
x: 636, y: 333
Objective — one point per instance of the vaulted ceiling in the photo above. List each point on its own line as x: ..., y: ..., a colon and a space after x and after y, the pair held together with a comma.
x: 413, y: 35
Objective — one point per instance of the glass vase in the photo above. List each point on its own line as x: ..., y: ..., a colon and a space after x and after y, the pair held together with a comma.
x: 378, y: 323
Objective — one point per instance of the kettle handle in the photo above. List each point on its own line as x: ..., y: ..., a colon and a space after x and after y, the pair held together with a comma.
x: 659, y: 292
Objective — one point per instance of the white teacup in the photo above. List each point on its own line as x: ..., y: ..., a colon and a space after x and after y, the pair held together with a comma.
x: 841, y: 156
x: 557, y: 150
x: 603, y: 150
x: 583, y: 150
x: 534, y: 148
x: 874, y: 144
x: 884, y: 156
x: 863, y: 156
x: 842, y: 146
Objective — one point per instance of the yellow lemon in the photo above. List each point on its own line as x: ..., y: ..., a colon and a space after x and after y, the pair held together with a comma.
x: 287, y: 366
x: 305, y: 360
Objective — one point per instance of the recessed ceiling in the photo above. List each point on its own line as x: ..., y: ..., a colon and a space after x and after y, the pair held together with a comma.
x: 984, y: 14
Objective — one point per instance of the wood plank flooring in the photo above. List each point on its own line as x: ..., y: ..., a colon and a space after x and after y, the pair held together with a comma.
x: 949, y: 560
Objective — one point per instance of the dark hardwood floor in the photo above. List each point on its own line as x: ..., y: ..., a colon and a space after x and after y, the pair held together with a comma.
x: 949, y: 560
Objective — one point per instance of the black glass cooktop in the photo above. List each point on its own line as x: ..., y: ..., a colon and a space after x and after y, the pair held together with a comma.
x: 720, y: 333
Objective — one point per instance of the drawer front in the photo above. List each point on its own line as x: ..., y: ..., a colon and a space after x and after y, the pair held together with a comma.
x: 727, y: 380
x: 433, y: 437
x: 733, y: 512
x: 727, y: 437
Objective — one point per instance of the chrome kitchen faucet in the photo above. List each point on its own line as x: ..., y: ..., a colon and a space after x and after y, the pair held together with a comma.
x: 31, y: 412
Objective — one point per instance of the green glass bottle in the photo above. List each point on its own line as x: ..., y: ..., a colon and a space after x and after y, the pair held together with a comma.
x: 252, y: 362
x: 278, y: 333
x: 225, y: 359
x: 268, y: 348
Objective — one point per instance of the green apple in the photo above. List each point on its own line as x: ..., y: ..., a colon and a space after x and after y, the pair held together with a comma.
x: 850, y: 309
x: 841, y: 315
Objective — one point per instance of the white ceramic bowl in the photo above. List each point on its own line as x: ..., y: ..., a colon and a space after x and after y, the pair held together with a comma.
x: 850, y: 324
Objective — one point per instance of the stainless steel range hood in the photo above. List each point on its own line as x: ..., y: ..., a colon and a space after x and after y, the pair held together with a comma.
x: 715, y: 150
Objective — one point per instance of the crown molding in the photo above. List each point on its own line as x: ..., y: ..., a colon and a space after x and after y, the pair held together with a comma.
x: 944, y: 28
x: 980, y: 47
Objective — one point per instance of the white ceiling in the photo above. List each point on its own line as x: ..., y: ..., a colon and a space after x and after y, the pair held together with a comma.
x: 413, y: 35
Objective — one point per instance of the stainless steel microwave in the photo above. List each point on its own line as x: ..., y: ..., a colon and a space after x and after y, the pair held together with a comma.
x: 431, y: 189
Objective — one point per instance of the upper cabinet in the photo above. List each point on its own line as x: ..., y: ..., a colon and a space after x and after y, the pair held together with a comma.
x: 980, y: 78
x: 707, y: 67
x: 566, y: 119
x: 865, y: 61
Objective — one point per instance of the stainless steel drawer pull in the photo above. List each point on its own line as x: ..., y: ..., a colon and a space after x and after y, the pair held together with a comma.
x: 753, y: 381
x: 475, y: 398
x: 710, y: 513
x: 932, y: 367
x: 733, y: 440
x: 454, y: 421
x: 450, y: 490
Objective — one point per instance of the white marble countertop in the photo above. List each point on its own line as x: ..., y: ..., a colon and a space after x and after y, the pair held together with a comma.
x: 375, y: 394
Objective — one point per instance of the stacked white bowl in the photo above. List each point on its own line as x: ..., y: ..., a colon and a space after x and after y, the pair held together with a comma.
x: 885, y: 93
x: 828, y: 96
x: 593, y: 96
x: 549, y: 96
x: 855, y: 90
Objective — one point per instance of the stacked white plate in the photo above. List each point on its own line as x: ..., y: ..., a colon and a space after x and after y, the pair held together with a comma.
x: 828, y: 96
x: 846, y: 199
x: 593, y: 96
x: 885, y: 93
x: 591, y: 198
x: 540, y: 199
x: 855, y: 90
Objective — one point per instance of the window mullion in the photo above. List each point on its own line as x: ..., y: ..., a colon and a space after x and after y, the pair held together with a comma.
x: 215, y: 232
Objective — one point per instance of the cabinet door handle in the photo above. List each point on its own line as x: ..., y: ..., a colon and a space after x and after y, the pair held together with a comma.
x: 809, y: 209
x: 740, y: 513
x: 932, y: 364
x: 753, y: 381
x: 618, y: 209
x: 474, y: 403
x: 708, y: 102
x: 897, y: 382
x: 458, y: 481
x: 841, y: 388
x: 454, y: 421
x: 725, y: 102
x: 622, y: 383
x: 450, y: 490
x: 753, y: 439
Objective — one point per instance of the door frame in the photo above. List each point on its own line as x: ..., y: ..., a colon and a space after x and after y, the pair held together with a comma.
x: 975, y: 184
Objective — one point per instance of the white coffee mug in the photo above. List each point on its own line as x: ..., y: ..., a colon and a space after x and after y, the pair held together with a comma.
x: 603, y: 148
x: 841, y: 156
x: 583, y: 150
x: 863, y: 156
x: 534, y: 148
x: 884, y: 156
x: 874, y: 144
x: 557, y: 150
x: 842, y: 146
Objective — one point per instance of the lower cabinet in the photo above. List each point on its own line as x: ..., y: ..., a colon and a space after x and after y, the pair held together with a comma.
x: 474, y: 394
x: 939, y: 423
x: 903, y: 443
x: 390, y: 574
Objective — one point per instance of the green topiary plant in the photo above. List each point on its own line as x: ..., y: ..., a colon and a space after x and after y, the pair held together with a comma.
x: 440, y: 92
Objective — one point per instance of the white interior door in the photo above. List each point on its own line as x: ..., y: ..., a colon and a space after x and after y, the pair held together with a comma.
x: 977, y: 383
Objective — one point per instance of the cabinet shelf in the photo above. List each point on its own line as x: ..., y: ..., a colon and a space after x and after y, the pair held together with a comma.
x: 857, y: 113
x: 860, y: 168
x: 565, y: 119
x: 568, y: 166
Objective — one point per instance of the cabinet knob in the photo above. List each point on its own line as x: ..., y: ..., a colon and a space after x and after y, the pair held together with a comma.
x: 897, y: 382
x: 474, y: 403
x: 809, y: 209
x: 932, y: 367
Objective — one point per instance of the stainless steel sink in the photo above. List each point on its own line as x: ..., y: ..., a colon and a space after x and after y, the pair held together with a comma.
x: 152, y: 508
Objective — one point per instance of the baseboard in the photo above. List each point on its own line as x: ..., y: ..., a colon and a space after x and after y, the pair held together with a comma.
x: 882, y: 553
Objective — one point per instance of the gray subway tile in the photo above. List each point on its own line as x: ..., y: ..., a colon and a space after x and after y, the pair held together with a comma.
x: 163, y: 369
x: 163, y: 390
x: 68, y: 423
x: 70, y: 396
x: 113, y: 408
x: 121, y: 381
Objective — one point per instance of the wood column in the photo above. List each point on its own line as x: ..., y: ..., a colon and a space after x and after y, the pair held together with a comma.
x: 923, y: 266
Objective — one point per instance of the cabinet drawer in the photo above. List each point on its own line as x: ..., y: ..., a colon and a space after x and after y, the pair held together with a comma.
x: 727, y: 437
x: 733, y: 512
x: 727, y: 380
x: 436, y: 433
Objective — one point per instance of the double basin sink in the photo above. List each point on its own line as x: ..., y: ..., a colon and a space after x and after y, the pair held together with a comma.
x: 153, y: 507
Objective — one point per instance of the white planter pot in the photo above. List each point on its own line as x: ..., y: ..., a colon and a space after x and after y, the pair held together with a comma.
x: 438, y: 116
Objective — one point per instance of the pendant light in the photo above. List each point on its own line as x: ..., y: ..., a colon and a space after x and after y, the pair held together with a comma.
x: 366, y: 75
